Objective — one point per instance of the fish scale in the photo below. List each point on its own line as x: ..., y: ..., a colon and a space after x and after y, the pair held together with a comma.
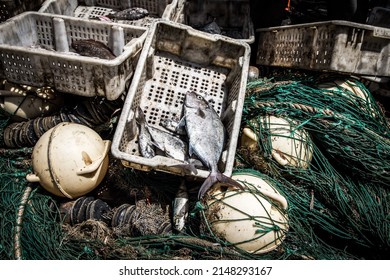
x: 92, y: 48
x: 130, y: 14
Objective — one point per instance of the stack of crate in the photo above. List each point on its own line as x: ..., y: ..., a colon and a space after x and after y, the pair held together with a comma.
x: 36, y: 46
x: 158, y: 62
x: 35, y: 50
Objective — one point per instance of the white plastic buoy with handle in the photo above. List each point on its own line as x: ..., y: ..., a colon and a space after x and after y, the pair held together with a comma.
x: 70, y: 160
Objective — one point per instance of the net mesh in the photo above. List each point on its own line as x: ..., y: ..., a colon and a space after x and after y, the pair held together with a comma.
x: 334, y: 175
x: 343, y: 193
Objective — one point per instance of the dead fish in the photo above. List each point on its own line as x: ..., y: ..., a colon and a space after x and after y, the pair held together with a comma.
x: 211, y: 28
x: 145, y: 141
x: 206, y: 135
x: 180, y: 206
x: 129, y: 14
x: 166, y: 142
x: 171, y: 145
x: 92, y: 48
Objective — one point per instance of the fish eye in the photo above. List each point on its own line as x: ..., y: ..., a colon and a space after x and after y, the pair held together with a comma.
x: 199, y: 97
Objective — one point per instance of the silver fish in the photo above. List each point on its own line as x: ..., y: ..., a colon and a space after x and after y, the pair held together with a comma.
x: 170, y: 145
x: 180, y: 207
x: 145, y: 141
x: 166, y: 142
x: 129, y: 14
x: 206, y: 135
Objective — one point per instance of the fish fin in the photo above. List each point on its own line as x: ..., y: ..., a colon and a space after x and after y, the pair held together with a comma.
x: 154, y: 143
x: 188, y: 168
x: 196, y: 162
x: 140, y: 116
x: 190, y: 150
x: 181, y: 126
x: 172, y: 126
x: 215, y: 178
x: 200, y: 113
x: 149, y: 152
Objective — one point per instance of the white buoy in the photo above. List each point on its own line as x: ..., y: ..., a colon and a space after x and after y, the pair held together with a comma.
x: 69, y: 160
x: 254, y: 219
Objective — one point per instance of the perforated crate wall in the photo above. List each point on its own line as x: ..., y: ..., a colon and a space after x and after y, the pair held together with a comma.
x: 33, y: 52
x: 93, y: 8
x: 176, y: 59
x: 232, y: 16
x: 339, y: 46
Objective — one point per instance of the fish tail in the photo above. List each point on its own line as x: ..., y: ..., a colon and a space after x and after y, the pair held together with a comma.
x: 214, y: 178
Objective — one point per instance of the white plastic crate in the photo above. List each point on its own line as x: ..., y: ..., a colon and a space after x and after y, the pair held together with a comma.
x: 90, y: 9
x: 340, y: 46
x: 175, y: 59
x: 232, y: 16
x: 10, y: 8
x: 34, y: 50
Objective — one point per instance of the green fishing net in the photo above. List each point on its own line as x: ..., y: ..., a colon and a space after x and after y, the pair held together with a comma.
x: 341, y: 189
x: 334, y: 177
x: 351, y: 129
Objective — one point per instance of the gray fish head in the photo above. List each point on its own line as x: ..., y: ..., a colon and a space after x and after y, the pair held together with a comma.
x: 143, y: 11
x: 77, y: 45
x: 194, y: 100
x: 179, y: 223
